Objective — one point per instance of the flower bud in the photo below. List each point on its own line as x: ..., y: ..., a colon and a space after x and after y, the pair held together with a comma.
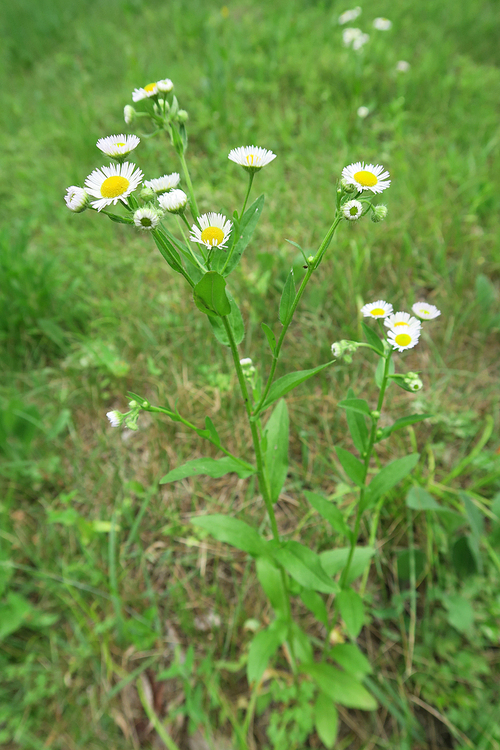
x: 412, y: 380
x: 342, y: 349
x: 77, y: 199
x: 147, y: 193
x: 379, y: 213
x: 347, y: 186
x: 129, y: 114
x: 115, y: 417
x: 182, y: 116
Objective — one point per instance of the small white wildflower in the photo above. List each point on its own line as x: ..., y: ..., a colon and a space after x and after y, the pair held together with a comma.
x: 425, y: 311
x: 367, y: 177
x: 115, y: 418
x: 402, y: 66
x: 165, y: 85
x: 251, y: 158
x: 363, y: 112
x: 213, y: 231
x: 113, y: 183
x: 378, y: 309
x: 349, y: 35
x: 77, y: 199
x: 349, y: 15
x: 146, y: 218
x: 360, y: 41
x: 406, y: 339
x: 246, y: 362
x: 352, y: 210
x: 162, y: 184
x: 382, y: 24
x: 174, y: 201
x: 145, y: 93
x: 400, y: 321
x: 118, y: 145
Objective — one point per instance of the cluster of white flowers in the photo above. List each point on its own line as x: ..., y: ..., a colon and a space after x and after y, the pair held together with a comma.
x: 404, y: 329
x: 354, y: 38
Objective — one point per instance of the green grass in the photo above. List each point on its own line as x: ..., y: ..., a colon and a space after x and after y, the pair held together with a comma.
x: 103, y: 570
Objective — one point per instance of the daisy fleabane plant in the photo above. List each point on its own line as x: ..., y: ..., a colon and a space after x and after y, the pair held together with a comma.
x: 112, y: 184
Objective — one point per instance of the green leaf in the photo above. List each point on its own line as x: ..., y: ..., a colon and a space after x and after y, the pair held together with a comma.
x: 300, y: 643
x: 357, y: 427
x: 211, y: 431
x: 354, y: 469
x: 271, y: 580
x: 389, y: 476
x: 315, y: 604
x: 460, y: 612
x: 355, y: 404
x: 352, y: 611
x: 167, y: 250
x: 340, y: 687
x: 463, y: 558
x: 372, y: 338
x: 474, y: 515
x: 271, y: 338
x: 212, y: 467
x: 289, y: 382
x: 276, y: 454
x: 351, y: 659
x: 263, y: 647
x: 403, y: 422
x: 334, y: 560
x: 13, y: 613
x: 329, y: 512
x: 419, y: 499
x: 304, y: 566
x: 245, y: 231
x: 404, y: 563
x: 234, y: 319
x: 326, y: 719
x: 210, y: 295
x: 119, y: 219
x: 234, y: 532
x: 379, y: 371
x: 287, y: 298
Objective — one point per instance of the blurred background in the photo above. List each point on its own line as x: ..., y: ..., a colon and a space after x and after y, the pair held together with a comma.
x: 101, y: 574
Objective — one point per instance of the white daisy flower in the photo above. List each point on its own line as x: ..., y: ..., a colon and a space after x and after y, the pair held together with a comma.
x: 213, y: 231
x: 165, y: 85
x: 406, y: 339
x: 400, y: 321
x: 349, y: 15
x: 363, y: 112
x: 113, y: 183
x: 115, y: 418
x: 162, y: 184
x: 146, y: 218
x: 402, y: 66
x: 174, y: 201
x: 382, y: 24
x: 145, y: 93
x: 251, y: 158
x: 246, y: 362
x: 352, y: 210
x: 366, y: 177
x: 425, y: 311
x: 378, y: 309
x: 349, y: 35
x: 359, y: 41
x: 118, y: 145
x: 77, y: 199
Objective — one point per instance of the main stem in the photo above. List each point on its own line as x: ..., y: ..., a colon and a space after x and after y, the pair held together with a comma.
x: 366, y: 464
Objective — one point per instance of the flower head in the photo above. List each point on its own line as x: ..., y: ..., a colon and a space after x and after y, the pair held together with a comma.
x: 349, y: 15
x: 366, y: 177
x: 425, y: 311
x: 349, y: 35
x: 147, y: 218
x: 145, y: 93
x: 77, y: 199
x: 360, y: 41
x: 115, y: 417
x: 406, y: 339
x: 113, y: 183
x: 213, y: 231
x: 382, y: 24
x: 363, y: 112
x: 174, y: 201
x: 352, y: 210
x: 252, y: 158
x: 400, y: 321
x: 118, y: 145
x: 402, y: 66
x: 165, y: 85
x: 378, y: 309
x: 162, y: 184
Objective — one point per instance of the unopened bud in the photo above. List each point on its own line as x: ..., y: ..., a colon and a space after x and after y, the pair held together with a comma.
x: 147, y: 193
x: 379, y: 213
x: 412, y: 380
x: 182, y: 116
x: 129, y: 114
x: 347, y: 186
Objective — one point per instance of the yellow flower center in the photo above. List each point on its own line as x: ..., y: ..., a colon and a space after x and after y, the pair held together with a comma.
x: 377, y: 311
x: 150, y: 87
x: 401, y: 323
x: 119, y: 144
x: 367, y: 179
x: 250, y: 160
x: 212, y: 235
x: 424, y: 312
x: 114, y: 186
x: 403, y: 339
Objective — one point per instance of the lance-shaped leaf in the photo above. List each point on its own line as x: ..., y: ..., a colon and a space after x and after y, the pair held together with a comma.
x: 340, y: 687
x: 400, y: 423
x: 330, y: 513
x: 271, y: 579
x: 334, y: 560
x: 263, y: 647
x: 287, y: 298
x: 388, y: 477
x: 234, y: 532
x: 168, y: 251
x: 351, y: 659
x: 271, y: 338
x: 276, y: 453
x: 235, y: 321
x: 355, y: 404
x: 212, y: 467
x: 354, y: 469
x: 356, y: 422
x: 210, y: 295
x: 352, y: 611
x: 119, y: 219
x: 315, y: 603
x: 288, y: 382
x: 373, y: 339
x: 380, y: 369
x: 326, y: 719
x: 245, y: 231
x: 304, y: 566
